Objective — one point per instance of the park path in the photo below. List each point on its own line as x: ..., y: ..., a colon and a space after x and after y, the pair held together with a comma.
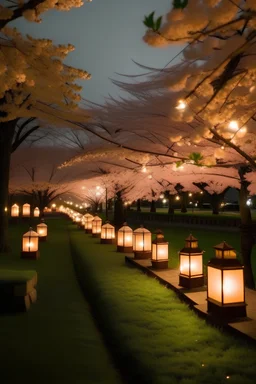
x: 56, y: 341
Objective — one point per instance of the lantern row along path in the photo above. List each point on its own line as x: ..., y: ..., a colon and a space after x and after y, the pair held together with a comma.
x: 196, y: 297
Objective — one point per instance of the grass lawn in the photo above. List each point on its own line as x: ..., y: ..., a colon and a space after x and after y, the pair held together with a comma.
x: 155, y: 338
x: 56, y: 341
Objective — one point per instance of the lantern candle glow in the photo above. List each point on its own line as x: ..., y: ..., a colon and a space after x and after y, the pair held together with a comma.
x: 42, y: 231
x: 96, y: 226
x: 159, y: 258
x: 26, y: 210
x: 30, y: 245
x: 15, y: 210
x: 125, y: 239
x: 87, y: 219
x: 191, y: 264
x: 36, y: 212
x: 107, y: 234
x: 142, y: 243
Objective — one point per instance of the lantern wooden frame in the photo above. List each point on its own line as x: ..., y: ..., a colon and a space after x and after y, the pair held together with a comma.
x: 125, y: 239
x: 223, y: 302
x: 159, y: 245
x: 107, y: 235
x: 143, y: 251
x: 88, y: 222
x: 42, y: 230
x: 30, y: 251
x: 96, y: 226
x: 26, y: 210
x: 192, y: 257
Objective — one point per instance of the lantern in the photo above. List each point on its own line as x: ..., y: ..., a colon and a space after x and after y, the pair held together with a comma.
x: 124, y: 239
x: 36, y: 212
x: 15, y: 210
x: 26, y: 210
x: 53, y: 209
x: 142, y: 243
x: 225, y: 286
x: 30, y: 245
x: 96, y: 226
x: 42, y: 231
x: 191, y: 264
x: 159, y: 251
x: 88, y: 223
x: 107, y: 234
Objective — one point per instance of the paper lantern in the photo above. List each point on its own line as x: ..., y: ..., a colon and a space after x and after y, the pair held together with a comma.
x: 87, y: 218
x: 36, y: 212
x: 42, y: 231
x: 107, y: 234
x: 125, y: 239
x: 15, y: 210
x: 26, y: 210
x: 191, y: 264
x: 225, y: 285
x: 159, y: 258
x: 30, y: 245
x: 96, y: 226
x: 142, y: 243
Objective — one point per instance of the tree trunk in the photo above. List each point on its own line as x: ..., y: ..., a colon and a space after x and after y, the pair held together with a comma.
x: 215, y: 202
x: 6, y: 136
x: 246, y: 236
x: 183, y: 202
x: 153, y: 206
x: 138, y: 205
x: 119, y: 217
x: 170, y: 206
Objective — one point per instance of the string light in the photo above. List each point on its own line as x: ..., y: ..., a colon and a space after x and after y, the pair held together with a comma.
x: 233, y: 125
x: 181, y: 105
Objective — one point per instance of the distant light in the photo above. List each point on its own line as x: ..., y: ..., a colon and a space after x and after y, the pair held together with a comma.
x: 164, y: 201
x: 190, y: 194
x: 144, y: 169
x: 177, y: 198
x: 249, y: 202
x: 181, y: 105
x: 233, y: 125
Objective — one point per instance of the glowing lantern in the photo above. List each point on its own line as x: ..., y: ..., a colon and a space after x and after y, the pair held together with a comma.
x: 124, y: 239
x: 159, y: 251
x: 107, y: 234
x: 53, y: 207
x: 36, y: 212
x: 191, y: 264
x: 42, y: 231
x: 26, y: 210
x: 30, y: 245
x: 88, y: 222
x: 225, y: 286
x: 96, y: 226
x: 142, y: 243
x: 15, y: 210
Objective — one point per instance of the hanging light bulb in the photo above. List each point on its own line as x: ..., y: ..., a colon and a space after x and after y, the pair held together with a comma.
x: 181, y: 105
x: 233, y: 125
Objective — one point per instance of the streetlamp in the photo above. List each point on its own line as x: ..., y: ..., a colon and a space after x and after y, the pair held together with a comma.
x: 225, y: 286
x: 124, y: 239
x: 142, y: 243
x: 159, y: 258
x: 36, y: 212
x: 191, y: 264
x: 42, y: 231
x: 96, y: 226
x: 30, y: 245
x: 15, y: 210
x: 26, y: 210
x: 87, y: 218
x: 107, y: 234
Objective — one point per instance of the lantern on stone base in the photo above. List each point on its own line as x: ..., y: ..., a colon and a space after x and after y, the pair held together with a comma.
x: 36, y: 212
x: 142, y: 243
x: 107, y: 234
x: 225, y: 285
x: 42, y: 231
x: 30, y: 245
x: 124, y: 239
x: 15, y: 210
x: 191, y: 264
x: 96, y: 226
x: 26, y: 210
x: 87, y: 218
x: 159, y: 258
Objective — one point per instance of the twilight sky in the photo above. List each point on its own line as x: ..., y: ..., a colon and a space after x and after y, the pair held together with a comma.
x: 107, y: 35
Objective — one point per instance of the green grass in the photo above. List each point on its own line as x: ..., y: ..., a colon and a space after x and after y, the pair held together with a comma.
x: 56, y: 341
x: 156, y: 338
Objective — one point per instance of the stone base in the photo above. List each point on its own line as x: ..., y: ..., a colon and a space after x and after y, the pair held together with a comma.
x: 96, y: 235
x: 88, y: 231
x: 107, y: 241
x: 191, y: 282
x: 42, y: 238
x: 226, y: 313
x: 163, y: 264
x: 142, y: 255
x: 120, y: 248
x: 30, y: 255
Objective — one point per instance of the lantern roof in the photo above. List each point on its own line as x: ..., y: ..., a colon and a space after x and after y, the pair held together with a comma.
x: 97, y: 218
x: 107, y: 225
x: 223, y: 246
x: 26, y: 205
x: 88, y: 215
x: 14, y: 205
x: 41, y: 225
x: 141, y: 229
x: 125, y: 228
x: 191, y: 238
x: 30, y: 233
x: 159, y: 238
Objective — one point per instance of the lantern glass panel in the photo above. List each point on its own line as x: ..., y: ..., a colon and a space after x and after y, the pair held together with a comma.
x: 36, y: 212
x: 107, y: 232
x: 26, y: 210
x: 41, y: 229
x: 30, y: 242
x: 196, y: 265
x: 88, y: 223
x: 214, y: 284
x: 159, y: 251
x: 233, y: 286
x: 96, y: 225
x: 142, y: 241
x: 124, y: 237
x: 15, y: 210
x: 191, y: 244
